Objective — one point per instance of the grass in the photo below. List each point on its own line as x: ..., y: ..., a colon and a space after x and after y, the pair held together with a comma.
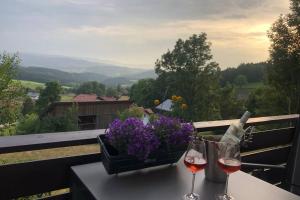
x: 67, y: 97
x: 35, y: 85
x: 31, y: 84
x: 26, y: 156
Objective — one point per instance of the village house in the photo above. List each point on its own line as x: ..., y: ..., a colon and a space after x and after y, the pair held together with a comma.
x: 93, y: 112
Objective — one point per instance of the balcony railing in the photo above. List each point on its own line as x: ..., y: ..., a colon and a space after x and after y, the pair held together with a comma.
x: 271, y: 145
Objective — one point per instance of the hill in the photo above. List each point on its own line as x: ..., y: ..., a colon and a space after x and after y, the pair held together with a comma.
x: 43, y: 75
x: 117, y: 81
x: 142, y: 75
x: 75, y: 65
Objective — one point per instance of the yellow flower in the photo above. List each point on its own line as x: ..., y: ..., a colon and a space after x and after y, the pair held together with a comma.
x: 174, y: 98
x: 156, y: 102
x: 179, y: 98
x: 184, y: 106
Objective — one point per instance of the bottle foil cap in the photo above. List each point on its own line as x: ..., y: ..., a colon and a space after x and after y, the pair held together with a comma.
x: 245, y: 117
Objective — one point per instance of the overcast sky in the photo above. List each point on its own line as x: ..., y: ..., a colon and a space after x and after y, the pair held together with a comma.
x: 137, y: 32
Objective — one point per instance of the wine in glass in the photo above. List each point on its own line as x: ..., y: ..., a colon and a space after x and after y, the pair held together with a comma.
x: 195, y: 161
x: 229, y: 161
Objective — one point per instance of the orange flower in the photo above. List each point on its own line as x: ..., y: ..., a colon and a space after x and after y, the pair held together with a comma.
x: 179, y: 98
x: 174, y: 98
x: 156, y: 102
x: 184, y: 106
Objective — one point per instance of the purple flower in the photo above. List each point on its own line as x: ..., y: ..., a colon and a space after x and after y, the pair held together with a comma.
x: 172, y: 132
x: 182, y: 136
x: 132, y: 137
x: 116, y: 136
x: 142, y: 144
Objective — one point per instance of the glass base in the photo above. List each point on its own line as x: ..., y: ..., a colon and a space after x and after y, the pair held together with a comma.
x: 224, y: 197
x: 191, y: 196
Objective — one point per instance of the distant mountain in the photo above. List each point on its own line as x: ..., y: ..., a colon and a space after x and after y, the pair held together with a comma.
x: 142, y: 75
x: 69, y: 64
x: 44, y: 75
x: 117, y: 81
x: 129, y: 80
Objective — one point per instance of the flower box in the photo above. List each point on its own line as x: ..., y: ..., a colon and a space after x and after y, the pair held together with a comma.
x: 115, y: 163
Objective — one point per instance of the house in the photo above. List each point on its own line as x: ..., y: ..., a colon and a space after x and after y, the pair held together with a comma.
x: 147, y: 114
x: 92, y: 113
x: 85, y: 98
x: 33, y: 95
x: 105, y: 98
x: 165, y: 106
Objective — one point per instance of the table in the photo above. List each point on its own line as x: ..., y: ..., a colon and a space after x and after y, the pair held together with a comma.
x: 91, y: 182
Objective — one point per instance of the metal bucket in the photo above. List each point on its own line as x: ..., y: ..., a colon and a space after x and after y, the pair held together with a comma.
x: 213, y: 171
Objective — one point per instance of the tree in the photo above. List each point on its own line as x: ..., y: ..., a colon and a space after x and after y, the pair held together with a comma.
x: 142, y: 92
x: 28, y: 106
x: 254, y: 72
x: 266, y: 101
x: 92, y: 87
x: 240, y: 80
x: 187, y: 71
x: 28, y: 124
x: 284, y: 72
x: 32, y: 123
x: 11, y: 92
x: 230, y: 106
x: 132, y: 111
x: 49, y: 95
x: 111, y: 92
x: 67, y: 122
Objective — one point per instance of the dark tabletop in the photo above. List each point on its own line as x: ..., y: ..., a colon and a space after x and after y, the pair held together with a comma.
x: 170, y: 183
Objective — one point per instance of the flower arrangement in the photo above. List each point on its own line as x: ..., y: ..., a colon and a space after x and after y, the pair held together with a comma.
x: 134, y: 138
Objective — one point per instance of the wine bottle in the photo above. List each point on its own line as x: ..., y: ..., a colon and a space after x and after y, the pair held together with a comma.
x: 235, y: 131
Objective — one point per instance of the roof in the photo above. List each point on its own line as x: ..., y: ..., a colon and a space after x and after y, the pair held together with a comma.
x: 165, y: 106
x: 124, y: 98
x: 33, y: 93
x: 85, y: 98
x: 105, y: 98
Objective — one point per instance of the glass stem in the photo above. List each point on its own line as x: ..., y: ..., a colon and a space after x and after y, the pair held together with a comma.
x: 226, y: 185
x: 192, y: 191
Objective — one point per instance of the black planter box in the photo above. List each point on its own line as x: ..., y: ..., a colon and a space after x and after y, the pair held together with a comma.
x: 115, y: 163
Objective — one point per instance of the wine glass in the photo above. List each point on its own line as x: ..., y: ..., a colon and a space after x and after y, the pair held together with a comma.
x: 195, y: 161
x: 229, y: 160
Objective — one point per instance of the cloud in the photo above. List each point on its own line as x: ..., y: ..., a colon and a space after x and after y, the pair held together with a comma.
x: 138, y: 31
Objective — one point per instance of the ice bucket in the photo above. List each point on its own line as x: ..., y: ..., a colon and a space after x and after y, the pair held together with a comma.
x: 213, y: 171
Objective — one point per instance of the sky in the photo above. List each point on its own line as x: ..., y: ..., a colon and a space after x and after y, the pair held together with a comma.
x: 135, y: 33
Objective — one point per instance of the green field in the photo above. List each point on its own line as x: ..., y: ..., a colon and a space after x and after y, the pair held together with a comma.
x: 31, y: 85
x: 35, y: 85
